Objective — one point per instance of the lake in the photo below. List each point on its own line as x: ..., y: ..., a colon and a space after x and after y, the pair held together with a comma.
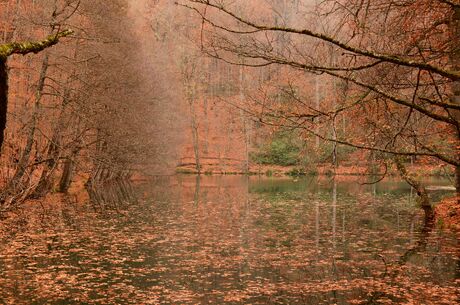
x: 230, y: 240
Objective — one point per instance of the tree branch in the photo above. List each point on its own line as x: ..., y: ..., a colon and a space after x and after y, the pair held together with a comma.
x: 453, y: 75
x: 31, y: 46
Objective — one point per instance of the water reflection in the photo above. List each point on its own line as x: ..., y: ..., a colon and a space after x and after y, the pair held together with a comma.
x: 113, y: 194
x: 230, y: 240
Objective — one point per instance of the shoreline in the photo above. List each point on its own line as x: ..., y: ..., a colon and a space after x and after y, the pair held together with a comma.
x: 320, y: 170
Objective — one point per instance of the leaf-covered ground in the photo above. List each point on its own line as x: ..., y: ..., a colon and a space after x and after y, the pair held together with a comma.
x: 222, y: 241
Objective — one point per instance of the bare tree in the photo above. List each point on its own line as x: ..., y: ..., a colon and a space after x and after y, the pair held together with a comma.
x: 402, y: 74
x: 23, y: 48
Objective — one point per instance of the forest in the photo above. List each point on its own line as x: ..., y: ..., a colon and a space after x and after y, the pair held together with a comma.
x: 229, y: 151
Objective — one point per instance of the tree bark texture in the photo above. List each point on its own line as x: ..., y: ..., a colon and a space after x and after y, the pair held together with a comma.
x: 3, y: 99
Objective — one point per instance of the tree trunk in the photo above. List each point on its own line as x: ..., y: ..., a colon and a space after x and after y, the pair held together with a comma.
x: 3, y: 99
x: 244, y: 122
x: 23, y: 162
x: 195, y: 137
x: 66, y: 177
x: 316, y: 120
x: 54, y: 149
x: 45, y: 183
x: 457, y: 183
x: 419, y: 188
x: 334, y: 106
x: 455, y: 60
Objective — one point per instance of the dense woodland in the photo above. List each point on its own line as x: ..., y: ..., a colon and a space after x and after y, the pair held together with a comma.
x: 216, y: 87
x: 229, y: 151
x: 388, y: 71
x: 86, y: 108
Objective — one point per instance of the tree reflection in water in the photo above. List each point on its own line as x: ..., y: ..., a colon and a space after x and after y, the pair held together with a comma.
x: 113, y: 194
x: 230, y: 240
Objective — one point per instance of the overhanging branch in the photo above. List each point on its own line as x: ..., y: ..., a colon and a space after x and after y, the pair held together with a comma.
x: 397, y: 60
x: 31, y: 46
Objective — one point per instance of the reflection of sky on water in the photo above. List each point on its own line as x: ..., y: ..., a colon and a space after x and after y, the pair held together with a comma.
x: 234, y: 240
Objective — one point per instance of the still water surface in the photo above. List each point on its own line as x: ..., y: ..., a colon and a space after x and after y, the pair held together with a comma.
x: 230, y: 240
